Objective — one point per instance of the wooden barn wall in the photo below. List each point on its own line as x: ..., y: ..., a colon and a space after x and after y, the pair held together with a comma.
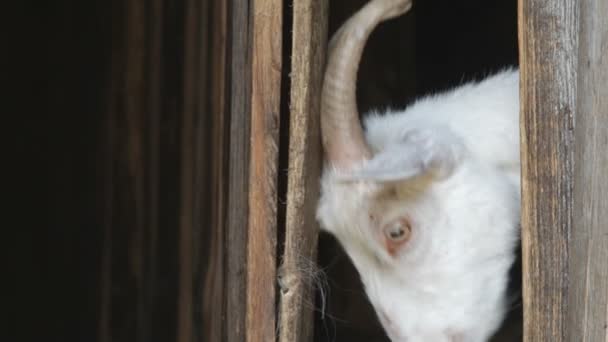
x: 299, y: 240
x: 154, y: 147
x: 564, y: 136
x: 195, y: 97
x: 134, y: 103
x: 588, y: 270
x: 192, y: 159
x: 216, y: 90
x: 142, y: 171
x: 156, y: 109
x: 266, y: 20
x: 548, y: 50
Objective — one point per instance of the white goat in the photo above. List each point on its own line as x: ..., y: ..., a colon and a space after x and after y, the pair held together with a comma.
x: 426, y: 201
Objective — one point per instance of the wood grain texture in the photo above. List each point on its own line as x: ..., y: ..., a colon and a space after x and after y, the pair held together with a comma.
x: 548, y: 50
x: 267, y: 21
x: 239, y: 73
x: 155, y: 138
x: 307, y: 60
x: 213, y: 303
x: 588, y: 299
x: 128, y: 308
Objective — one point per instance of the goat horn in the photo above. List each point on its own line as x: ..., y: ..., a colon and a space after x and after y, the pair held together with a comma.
x: 342, y: 134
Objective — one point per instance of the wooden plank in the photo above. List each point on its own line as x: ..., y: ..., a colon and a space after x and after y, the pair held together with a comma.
x: 123, y: 296
x: 213, y: 307
x: 267, y: 17
x: 153, y: 141
x: 235, y: 274
x: 188, y: 131
x: 588, y: 300
x: 548, y: 49
x: 135, y: 69
x: 307, y: 60
x: 154, y: 136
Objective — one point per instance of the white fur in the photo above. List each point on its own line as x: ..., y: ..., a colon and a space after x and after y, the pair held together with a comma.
x: 450, y: 163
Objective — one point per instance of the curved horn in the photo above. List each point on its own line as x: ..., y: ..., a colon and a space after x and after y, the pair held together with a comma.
x: 343, y: 139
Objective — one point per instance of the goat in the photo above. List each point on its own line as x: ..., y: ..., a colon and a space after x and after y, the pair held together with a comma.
x: 425, y: 201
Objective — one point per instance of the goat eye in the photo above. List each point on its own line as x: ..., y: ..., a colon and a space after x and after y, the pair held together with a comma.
x: 398, y: 231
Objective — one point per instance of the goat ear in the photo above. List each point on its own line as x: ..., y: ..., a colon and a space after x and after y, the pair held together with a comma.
x: 419, y: 152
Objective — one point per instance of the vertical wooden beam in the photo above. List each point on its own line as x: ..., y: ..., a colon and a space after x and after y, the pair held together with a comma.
x: 548, y: 49
x: 255, y: 75
x: 213, y: 306
x: 235, y: 274
x: 307, y: 60
x: 153, y: 175
x: 267, y: 17
x: 588, y: 300
x: 124, y: 297
x: 189, y: 117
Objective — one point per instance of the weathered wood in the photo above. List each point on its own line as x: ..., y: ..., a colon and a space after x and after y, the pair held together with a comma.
x: 238, y: 174
x: 267, y: 20
x: 548, y: 50
x: 307, y: 60
x: 588, y: 295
